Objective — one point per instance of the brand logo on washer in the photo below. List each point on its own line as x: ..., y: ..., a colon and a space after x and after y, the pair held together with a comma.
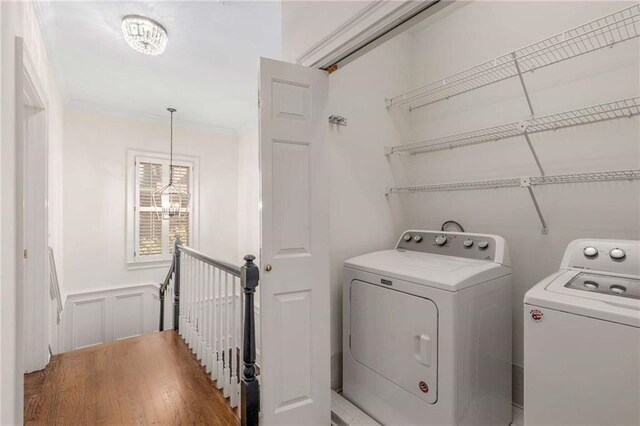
x: 423, y: 386
x: 536, y: 315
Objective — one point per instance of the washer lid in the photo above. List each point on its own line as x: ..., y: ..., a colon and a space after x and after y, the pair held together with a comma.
x: 573, y: 291
x: 445, y: 272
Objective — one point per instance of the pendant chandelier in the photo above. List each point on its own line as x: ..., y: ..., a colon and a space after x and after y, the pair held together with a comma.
x: 173, y: 200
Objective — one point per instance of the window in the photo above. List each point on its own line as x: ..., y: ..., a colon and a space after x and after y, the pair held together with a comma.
x: 150, y: 239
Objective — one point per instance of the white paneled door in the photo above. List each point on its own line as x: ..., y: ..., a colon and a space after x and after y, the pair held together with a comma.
x: 294, y: 285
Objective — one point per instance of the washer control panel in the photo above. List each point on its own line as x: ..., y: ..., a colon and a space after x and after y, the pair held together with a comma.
x: 482, y: 247
x: 616, y: 256
x: 606, y: 284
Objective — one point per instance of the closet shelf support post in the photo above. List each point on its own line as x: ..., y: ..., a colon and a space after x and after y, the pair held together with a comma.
x: 524, y: 86
x: 533, y: 152
x: 525, y: 182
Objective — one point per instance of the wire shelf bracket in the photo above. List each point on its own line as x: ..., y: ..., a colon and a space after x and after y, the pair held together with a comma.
x: 624, y: 108
x: 604, y: 32
x: 527, y: 182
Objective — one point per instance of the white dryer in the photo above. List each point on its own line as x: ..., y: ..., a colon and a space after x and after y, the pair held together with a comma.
x: 582, y: 338
x: 427, y: 330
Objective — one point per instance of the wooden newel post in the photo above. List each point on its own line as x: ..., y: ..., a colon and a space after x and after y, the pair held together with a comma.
x: 250, y: 392
x: 176, y: 285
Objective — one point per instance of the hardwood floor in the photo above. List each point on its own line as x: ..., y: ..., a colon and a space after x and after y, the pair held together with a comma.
x: 151, y: 379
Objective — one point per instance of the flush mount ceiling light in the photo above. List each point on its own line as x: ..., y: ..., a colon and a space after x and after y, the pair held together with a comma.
x: 144, y: 35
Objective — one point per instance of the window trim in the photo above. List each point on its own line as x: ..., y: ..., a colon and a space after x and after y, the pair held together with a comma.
x: 135, y: 262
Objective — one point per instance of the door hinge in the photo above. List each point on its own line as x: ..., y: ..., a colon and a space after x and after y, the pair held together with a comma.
x: 25, y: 253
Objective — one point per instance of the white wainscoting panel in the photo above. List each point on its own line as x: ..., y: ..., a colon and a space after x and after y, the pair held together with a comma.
x: 128, y: 310
x: 89, y: 322
x: 107, y: 315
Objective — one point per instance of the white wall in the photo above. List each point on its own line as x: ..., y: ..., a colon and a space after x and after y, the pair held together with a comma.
x: 19, y: 19
x: 248, y: 193
x: 363, y: 221
x: 483, y: 30
x: 95, y: 157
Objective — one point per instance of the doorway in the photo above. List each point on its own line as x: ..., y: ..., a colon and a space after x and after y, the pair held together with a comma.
x: 32, y: 215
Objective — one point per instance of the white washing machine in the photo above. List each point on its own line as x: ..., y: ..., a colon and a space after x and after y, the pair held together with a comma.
x: 427, y: 331
x: 582, y: 338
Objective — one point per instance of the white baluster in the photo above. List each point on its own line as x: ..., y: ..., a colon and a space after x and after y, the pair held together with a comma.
x: 227, y: 346
x: 206, y: 356
x: 196, y: 310
x: 168, y: 300
x: 191, y: 316
x: 220, y: 381
x: 194, y: 300
x: 185, y: 298
x: 203, y: 316
x: 212, y: 322
x: 214, y: 325
x: 235, y: 388
x: 182, y: 299
x: 202, y: 322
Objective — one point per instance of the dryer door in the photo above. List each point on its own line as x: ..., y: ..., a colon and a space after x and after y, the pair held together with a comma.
x: 396, y: 335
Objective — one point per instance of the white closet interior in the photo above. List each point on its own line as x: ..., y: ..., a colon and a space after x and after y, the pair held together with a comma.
x: 556, y: 120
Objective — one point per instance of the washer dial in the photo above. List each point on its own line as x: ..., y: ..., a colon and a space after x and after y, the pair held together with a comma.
x: 483, y: 244
x: 467, y: 243
x: 407, y: 237
x: 590, y: 251
x: 591, y: 285
x: 617, y: 254
x: 441, y: 240
x: 417, y: 238
x: 617, y: 289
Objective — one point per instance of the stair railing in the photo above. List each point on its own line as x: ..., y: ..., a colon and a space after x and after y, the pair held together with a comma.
x: 207, y: 312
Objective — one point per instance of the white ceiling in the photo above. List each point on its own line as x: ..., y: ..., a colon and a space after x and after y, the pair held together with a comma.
x: 209, y: 71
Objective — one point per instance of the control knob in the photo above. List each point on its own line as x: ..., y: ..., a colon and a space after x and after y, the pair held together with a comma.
x: 407, y: 237
x: 483, y: 244
x: 417, y: 238
x: 441, y: 240
x: 617, y: 254
x: 468, y: 242
x: 590, y: 251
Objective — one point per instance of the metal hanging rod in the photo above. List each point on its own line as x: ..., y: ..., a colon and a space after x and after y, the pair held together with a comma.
x: 524, y: 182
x: 516, y: 182
x: 608, y: 111
x: 604, y: 32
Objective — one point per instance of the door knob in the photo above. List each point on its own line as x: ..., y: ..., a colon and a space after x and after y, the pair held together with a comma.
x: 268, y: 268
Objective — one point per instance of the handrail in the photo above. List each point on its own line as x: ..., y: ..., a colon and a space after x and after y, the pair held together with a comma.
x: 227, y: 267
x: 163, y: 289
x: 54, y: 285
x: 249, y: 275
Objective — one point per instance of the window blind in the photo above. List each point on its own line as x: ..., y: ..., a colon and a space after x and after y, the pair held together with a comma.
x: 179, y: 226
x: 155, y: 237
x: 149, y: 225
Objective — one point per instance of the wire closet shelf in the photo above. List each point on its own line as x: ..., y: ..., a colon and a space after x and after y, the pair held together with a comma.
x: 522, y: 182
x: 603, y: 32
x: 608, y: 111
